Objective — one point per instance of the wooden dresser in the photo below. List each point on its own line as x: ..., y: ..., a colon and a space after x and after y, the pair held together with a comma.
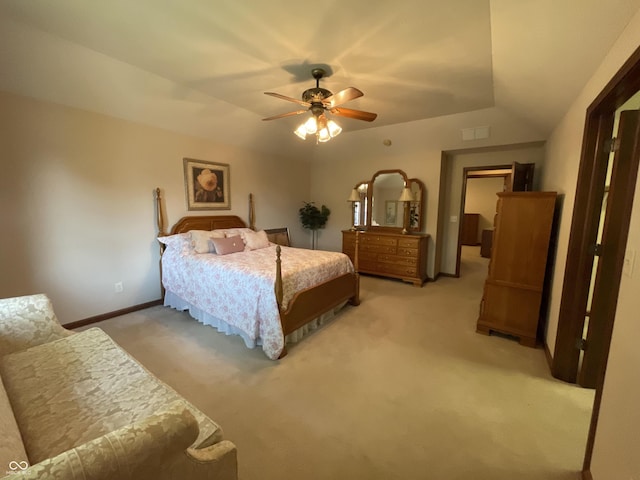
x: 389, y: 254
x: 513, y: 289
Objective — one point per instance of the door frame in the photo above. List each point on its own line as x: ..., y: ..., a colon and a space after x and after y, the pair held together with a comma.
x: 475, y: 172
x: 583, y: 234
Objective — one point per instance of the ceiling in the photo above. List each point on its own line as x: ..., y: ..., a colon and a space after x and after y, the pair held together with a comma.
x: 201, y: 66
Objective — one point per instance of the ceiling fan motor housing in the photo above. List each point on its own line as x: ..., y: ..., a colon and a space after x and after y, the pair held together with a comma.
x: 315, y: 95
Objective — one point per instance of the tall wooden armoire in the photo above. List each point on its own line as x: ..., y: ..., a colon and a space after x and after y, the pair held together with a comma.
x: 513, y: 289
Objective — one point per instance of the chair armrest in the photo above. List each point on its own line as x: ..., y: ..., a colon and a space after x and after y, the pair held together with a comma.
x: 26, y: 322
x: 154, y: 448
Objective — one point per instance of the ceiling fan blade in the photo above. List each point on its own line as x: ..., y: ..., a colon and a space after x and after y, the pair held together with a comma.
x: 341, y: 97
x: 288, y: 99
x: 357, y: 114
x: 288, y: 114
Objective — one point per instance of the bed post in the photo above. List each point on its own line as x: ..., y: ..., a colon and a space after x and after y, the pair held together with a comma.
x: 252, y: 213
x: 278, y: 284
x: 159, y: 213
x: 161, y: 232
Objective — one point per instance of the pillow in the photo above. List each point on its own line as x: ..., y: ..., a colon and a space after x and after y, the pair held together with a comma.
x: 200, y: 240
x: 232, y: 232
x: 228, y: 245
x: 179, y: 241
x: 255, y: 240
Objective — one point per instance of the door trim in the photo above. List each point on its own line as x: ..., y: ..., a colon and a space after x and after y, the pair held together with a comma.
x: 599, y: 120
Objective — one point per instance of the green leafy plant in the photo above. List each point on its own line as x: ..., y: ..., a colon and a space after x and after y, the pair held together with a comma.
x: 313, y: 218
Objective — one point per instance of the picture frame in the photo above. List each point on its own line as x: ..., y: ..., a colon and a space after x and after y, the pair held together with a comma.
x: 206, y: 185
x: 390, y: 212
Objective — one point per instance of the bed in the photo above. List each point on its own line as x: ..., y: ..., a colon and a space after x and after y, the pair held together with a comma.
x: 269, y: 296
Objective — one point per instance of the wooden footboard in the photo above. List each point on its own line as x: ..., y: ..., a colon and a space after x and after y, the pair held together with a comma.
x: 313, y: 302
x: 308, y: 304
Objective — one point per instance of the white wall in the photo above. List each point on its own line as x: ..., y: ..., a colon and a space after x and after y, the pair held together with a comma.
x: 615, y: 455
x: 481, y: 198
x: 77, y: 202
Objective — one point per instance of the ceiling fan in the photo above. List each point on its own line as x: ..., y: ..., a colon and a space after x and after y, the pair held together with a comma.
x: 318, y: 101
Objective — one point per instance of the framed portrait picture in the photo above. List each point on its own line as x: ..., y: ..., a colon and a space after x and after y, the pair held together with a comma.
x: 390, y: 212
x: 206, y: 185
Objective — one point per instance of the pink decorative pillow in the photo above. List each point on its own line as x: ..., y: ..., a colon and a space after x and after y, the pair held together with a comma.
x: 228, y: 245
x: 255, y: 240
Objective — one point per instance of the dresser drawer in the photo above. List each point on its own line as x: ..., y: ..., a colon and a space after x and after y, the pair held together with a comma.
x: 368, y: 266
x: 407, y: 252
x: 395, y: 269
x: 378, y: 248
x: 378, y: 240
x: 409, y: 242
x: 395, y: 259
x: 367, y: 256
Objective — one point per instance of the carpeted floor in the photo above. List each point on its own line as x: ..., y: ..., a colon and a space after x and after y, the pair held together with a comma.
x: 400, y: 387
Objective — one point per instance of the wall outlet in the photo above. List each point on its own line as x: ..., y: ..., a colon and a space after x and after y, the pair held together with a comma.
x: 118, y: 287
x: 453, y: 219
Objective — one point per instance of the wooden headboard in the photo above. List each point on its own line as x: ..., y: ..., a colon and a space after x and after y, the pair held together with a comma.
x: 202, y: 222
x: 210, y: 222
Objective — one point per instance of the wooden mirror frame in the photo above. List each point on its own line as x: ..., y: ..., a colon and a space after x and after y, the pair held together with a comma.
x: 369, y: 226
x: 362, y: 220
x: 418, y: 205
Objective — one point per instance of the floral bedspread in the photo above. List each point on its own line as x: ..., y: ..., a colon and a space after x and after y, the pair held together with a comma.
x: 239, y: 288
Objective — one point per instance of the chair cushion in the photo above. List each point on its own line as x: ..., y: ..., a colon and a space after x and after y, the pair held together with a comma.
x: 73, y: 390
x: 13, y: 458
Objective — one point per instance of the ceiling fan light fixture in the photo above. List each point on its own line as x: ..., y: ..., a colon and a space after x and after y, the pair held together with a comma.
x: 301, y: 131
x: 323, y: 135
x: 311, y: 125
x: 334, y: 128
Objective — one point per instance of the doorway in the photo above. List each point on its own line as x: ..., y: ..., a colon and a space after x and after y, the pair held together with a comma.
x: 450, y: 192
x: 582, y: 247
x: 513, y: 178
x: 478, y: 206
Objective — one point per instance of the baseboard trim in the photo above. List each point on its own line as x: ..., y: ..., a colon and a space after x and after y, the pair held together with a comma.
x: 586, y: 475
x: 547, y: 354
x: 451, y: 275
x: 106, y: 316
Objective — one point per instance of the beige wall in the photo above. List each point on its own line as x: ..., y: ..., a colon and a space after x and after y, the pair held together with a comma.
x: 77, y: 202
x: 481, y: 198
x: 615, y: 452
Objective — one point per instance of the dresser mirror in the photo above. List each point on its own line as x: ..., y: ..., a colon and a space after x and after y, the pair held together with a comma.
x: 386, y: 211
x: 377, y: 205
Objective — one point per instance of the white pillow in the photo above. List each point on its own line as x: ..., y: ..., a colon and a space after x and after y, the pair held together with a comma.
x: 255, y: 240
x: 180, y: 242
x: 200, y: 240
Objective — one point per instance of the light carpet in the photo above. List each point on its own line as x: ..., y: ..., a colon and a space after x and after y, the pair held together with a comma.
x: 400, y: 387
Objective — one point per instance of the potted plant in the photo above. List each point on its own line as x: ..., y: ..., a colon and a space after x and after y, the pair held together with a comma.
x: 313, y: 218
